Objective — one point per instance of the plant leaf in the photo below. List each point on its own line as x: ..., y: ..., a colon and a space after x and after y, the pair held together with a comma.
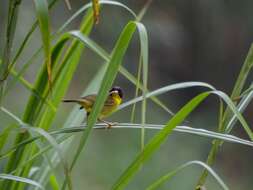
x: 157, y: 140
x: 41, y: 7
x: 21, y: 179
x: 169, y: 175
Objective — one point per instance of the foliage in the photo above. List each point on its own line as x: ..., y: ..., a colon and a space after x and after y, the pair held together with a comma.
x: 38, y: 144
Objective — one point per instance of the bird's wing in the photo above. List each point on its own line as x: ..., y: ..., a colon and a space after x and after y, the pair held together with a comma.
x: 89, y: 100
x: 109, y: 102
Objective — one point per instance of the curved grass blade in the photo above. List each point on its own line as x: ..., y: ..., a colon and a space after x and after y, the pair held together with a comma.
x: 75, y: 118
x: 171, y: 174
x: 30, y: 87
x: 101, y: 52
x: 47, y: 136
x: 24, y: 42
x: 234, y: 110
x: 139, y: 18
x: 41, y: 83
x: 43, y: 19
x: 17, y: 76
x: 132, y: 118
x: 241, y: 107
x: 68, y: 4
x: 144, y: 10
x: 41, y: 152
x: 4, y: 137
x: 157, y: 140
x: 144, y: 60
x: 21, y: 179
x: 89, y: 5
x: 31, y: 115
x: 53, y: 182
x: 165, y: 89
x: 111, y: 72
x: 220, y: 94
x: 57, y: 148
x: 181, y: 129
x: 10, y: 33
x: 81, y: 10
x: 240, y: 82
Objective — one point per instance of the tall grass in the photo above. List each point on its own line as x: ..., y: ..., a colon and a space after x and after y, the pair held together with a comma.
x: 62, y: 54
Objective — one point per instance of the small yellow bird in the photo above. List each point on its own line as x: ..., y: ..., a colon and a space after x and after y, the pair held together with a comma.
x: 113, y: 100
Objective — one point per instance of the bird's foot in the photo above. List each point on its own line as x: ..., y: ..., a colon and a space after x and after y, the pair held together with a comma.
x: 110, y: 124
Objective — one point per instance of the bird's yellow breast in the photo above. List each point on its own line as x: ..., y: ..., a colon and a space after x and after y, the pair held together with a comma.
x: 117, y: 99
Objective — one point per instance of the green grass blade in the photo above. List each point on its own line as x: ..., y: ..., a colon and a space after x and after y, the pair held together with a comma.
x: 4, y: 137
x: 101, y: 52
x: 169, y: 175
x: 14, y: 117
x: 144, y: 10
x: 27, y: 37
x: 40, y: 153
x: 221, y: 94
x: 30, y: 87
x: 32, y: 116
x: 144, y: 60
x: 75, y: 118
x: 133, y: 80
x: 41, y: 83
x: 111, y: 72
x: 246, y: 68
x: 165, y: 89
x: 17, y: 76
x: 44, y: 134
x: 53, y: 182
x: 228, y: 114
x: 144, y: 55
x: 89, y: 5
x: 43, y: 19
x: 21, y: 179
x: 241, y: 107
x: 157, y: 140
x: 234, y: 110
x: 136, y: 89
x: 81, y: 10
x: 57, y: 148
x: 10, y: 33
x: 20, y: 51
x: 72, y: 129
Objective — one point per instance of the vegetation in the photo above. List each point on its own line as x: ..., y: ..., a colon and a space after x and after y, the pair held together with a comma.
x: 32, y: 160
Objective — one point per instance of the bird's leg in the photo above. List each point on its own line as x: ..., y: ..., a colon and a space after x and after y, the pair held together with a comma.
x: 109, y: 124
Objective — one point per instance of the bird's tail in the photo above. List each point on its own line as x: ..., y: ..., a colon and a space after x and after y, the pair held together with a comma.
x: 84, y: 103
x: 71, y: 100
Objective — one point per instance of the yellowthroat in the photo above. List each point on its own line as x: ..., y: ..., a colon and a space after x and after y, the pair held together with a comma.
x: 113, y: 100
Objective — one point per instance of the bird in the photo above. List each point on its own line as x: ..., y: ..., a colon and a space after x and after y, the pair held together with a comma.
x: 114, y: 99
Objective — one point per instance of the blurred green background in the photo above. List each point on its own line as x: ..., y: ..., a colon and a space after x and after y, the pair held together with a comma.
x: 190, y: 40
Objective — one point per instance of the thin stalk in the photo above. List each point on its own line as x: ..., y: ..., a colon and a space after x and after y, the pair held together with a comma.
x: 228, y: 114
x: 136, y: 91
x: 10, y: 32
x: 25, y: 41
x: 143, y: 105
x: 144, y: 10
